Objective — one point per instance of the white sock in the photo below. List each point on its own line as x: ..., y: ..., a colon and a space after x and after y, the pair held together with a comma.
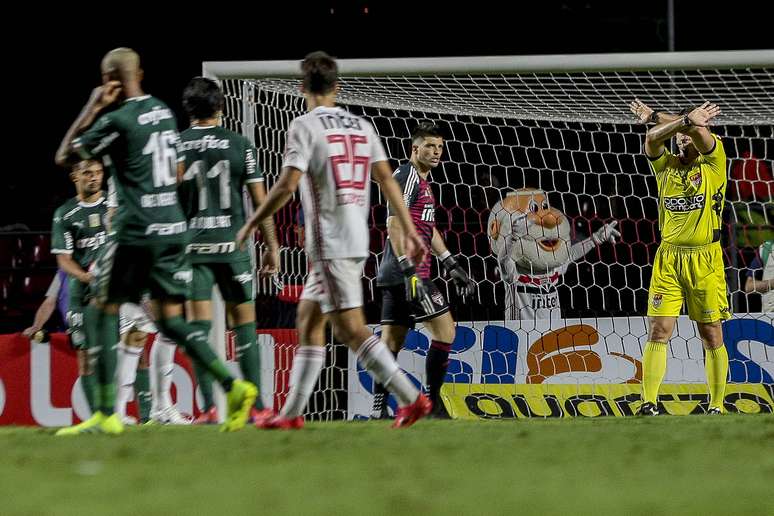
x: 307, y: 365
x: 126, y: 372
x: 162, y: 358
x: 376, y: 357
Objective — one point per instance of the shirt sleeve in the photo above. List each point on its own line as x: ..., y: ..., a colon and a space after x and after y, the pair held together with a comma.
x: 56, y: 284
x: 408, y: 181
x: 61, y: 236
x: 98, y: 139
x: 377, y: 149
x: 658, y: 165
x: 298, y: 148
x: 253, y: 173
x: 716, y: 158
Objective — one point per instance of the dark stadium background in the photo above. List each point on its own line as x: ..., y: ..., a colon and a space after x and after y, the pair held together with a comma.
x: 53, y: 53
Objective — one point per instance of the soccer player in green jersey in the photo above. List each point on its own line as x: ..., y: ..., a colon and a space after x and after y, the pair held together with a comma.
x: 217, y: 165
x: 78, y: 232
x: 688, y: 267
x: 139, y: 136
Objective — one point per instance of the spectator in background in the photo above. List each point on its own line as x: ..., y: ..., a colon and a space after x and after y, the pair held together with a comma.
x: 760, y: 276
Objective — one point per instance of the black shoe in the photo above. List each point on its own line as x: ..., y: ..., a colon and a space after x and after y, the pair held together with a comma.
x: 714, y: 411
x: 648, y: 409
x: 380, y: 409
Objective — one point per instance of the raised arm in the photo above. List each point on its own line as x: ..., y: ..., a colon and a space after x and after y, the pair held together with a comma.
x: 694, y: 124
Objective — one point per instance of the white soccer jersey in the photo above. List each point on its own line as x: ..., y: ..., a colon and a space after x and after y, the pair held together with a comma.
x: 533, y: 297
x: 335, y: 149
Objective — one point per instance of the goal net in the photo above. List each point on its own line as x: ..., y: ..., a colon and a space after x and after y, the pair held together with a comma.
x: 541, y: 155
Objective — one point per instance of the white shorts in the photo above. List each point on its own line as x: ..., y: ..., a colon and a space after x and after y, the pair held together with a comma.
x: 335, y: 284
x: 132, y: 316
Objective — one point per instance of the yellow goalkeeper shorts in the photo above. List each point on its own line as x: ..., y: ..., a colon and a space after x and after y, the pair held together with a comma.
x: 692, y: 274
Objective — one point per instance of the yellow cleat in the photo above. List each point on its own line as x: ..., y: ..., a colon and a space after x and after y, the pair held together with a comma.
x: 91, y: 425
x: 111, y: 425
x: 240, y: 398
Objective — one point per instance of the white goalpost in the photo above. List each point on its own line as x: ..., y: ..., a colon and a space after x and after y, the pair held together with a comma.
x: 560, y: 126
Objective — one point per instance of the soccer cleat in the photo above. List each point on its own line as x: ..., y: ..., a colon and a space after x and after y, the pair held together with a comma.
x: 171, y: 416
x: 648, y: 409
x: 84, y: 427
x: 111, y: 425
x: 409, y: 414
x: 281, y: 423
x: 439, y: 411
x: 129, y: 420
x: 714, y: 411
x: 380, y: 409
x: 256, y: 416
x: 209, y: 417
x: 239, y: 401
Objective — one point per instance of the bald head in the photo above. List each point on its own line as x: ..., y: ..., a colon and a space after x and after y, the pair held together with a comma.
x: 121, y: 64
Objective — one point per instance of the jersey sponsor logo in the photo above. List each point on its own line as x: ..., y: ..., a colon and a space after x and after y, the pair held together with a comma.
x: 545, y: 302
x: 156, y: 115
x: 206, y: 142
x: 173, y: 228
x: 657, y: 300
x: 95, y: 241
x: 158, y: 200
x: 682, y: 204
x: 186, y: 276
x: 78, y: 224
x: 217, y: 248
x: 212, y: 222
x: 357, y: 199
x: 338, y: 121
x: 243, y: 278
x: 696, y: 179
x: 428, y: 213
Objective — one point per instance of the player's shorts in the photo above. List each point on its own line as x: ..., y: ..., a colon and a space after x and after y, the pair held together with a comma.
x: 335, y: 284
x: 132, y: 316
x: 78, y: 299
x: 125, y: 272
x: 235, y: 280
x: 695, y: 275
x: 399, y: 312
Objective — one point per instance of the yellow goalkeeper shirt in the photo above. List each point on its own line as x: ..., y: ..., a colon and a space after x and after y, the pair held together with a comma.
x: 691, y: 197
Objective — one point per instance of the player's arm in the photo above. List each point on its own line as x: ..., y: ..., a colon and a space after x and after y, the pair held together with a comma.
x: 465, y: 286
x: 278, y: 196
x: 270, y: 258
x: 607, y: 233
x: 72, y: 268
x: 101, y: 97
x: 694, y: 124
x: 410, y: 242
x: 42, y: 315
x: 62, y: 247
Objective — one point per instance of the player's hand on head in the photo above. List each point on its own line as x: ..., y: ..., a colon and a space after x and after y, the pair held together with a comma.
x: 269, y: 263
x: 701, y: 116
x: 607, y: 233
x: 640, y: 110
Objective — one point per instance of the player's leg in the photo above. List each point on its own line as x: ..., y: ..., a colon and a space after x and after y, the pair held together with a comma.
x: 162, y: 359
x: 442, y: 330
x: 395, y: 322
x: 129, y: 351
x: 199, y: 312
x: 665, y: 301
x: 708, y: 306
x: 79, y: 338
x: 170, y: 282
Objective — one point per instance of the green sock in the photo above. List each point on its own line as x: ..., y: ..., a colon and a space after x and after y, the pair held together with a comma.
x: 716, y: 366
x: 142, y: 393
x: 89, y: 386
x: 195, y: 344
x: 106, y: 361
x: 654, y: 361
x: 248, y: 356
x: 204, y: 379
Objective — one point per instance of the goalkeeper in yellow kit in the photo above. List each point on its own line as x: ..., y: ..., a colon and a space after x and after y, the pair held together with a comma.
x: 689, y: 262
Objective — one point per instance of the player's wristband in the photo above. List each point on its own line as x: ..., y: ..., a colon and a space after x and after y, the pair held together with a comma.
x: 687, y: 121
x: 449, y: 262
x: 406, y: 266
x: 653, y: 118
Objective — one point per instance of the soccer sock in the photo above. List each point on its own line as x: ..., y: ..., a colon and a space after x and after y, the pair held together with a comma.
x: 248, y: 356
x: 435, y: 368
x: 106, y: 361
x: 378, y: 360
x: 204, y: 380
x: 162, y: 367
x: 193, y: 337
x: 307, y: 364
x: 89, y: 386
x: 716, y: 365
x: 143, y: 393
x: 654, y: 361
x: 381, y: 390
x: 128, y: 358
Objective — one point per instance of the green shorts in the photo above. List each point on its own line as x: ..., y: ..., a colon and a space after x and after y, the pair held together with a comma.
x: 78, y: 294
x: 125, y: 272
x: 236, y: 281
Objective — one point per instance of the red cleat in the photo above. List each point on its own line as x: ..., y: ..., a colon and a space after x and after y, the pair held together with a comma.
x: 257, y: 416
x: 281, y: 423
x: 410, y: 414
x: 207, y: 418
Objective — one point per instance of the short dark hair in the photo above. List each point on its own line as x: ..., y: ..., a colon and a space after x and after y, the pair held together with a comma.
x: 320, y: 72
x: 202, y: 98
x: 425, y: 130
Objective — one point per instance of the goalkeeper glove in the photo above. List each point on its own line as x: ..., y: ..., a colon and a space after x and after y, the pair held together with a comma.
x: 606, y: 233
x: 415, y: 288
x: 464, y: 285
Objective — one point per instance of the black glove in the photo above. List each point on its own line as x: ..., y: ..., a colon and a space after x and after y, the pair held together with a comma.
x: 415, y: 288
x: 465, y: 286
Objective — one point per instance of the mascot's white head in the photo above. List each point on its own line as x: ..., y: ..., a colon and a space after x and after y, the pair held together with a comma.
x: 527, y: 235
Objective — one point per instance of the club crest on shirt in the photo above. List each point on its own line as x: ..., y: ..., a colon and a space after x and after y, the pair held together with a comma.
x: 696, y: 179
x: 437, y: 298
x: 656, y: 301
x: 94, y: 220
